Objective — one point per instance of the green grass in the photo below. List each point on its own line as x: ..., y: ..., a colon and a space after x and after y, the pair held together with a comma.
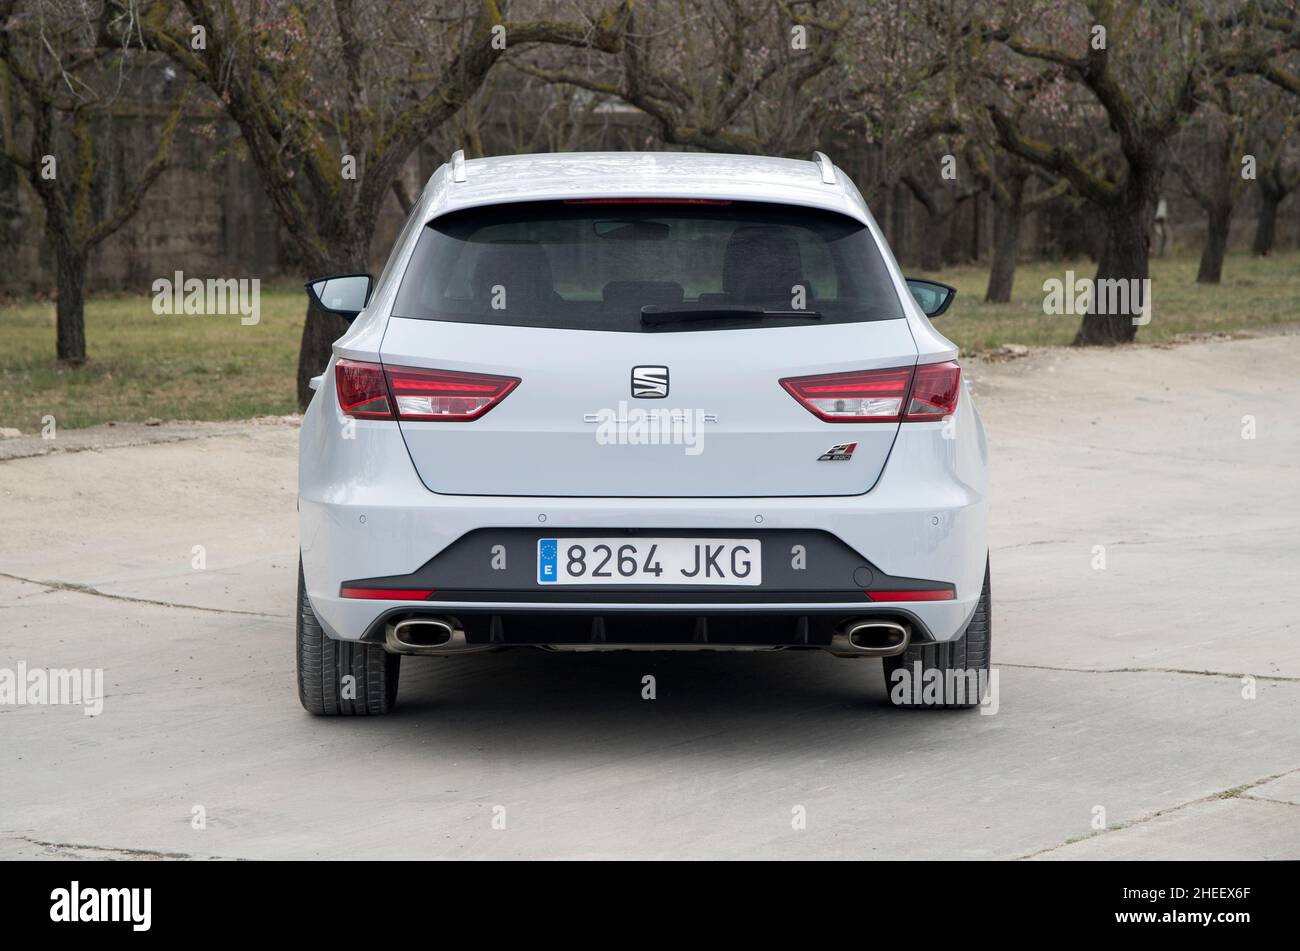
x: 143, y: 366
x: 1258, y: 295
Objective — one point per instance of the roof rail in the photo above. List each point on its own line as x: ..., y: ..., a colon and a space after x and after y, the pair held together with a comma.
x: 827, y: 169
x: 458, y: 165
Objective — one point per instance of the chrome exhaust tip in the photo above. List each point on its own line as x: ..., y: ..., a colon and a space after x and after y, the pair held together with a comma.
x: 427, y: 635
x: 870, y: 638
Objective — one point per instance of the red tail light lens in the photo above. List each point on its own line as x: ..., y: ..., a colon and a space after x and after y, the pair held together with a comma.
x: 879, y: 396
x: 864, y: 396
x: 361, y: 389
x: 934, y: 392
x: 372, y: 391
x: 446, y: 395
x: 647, y: 201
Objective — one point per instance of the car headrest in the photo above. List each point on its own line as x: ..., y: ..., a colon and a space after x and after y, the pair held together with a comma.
x: 762, y: 263
x: 521, y: 267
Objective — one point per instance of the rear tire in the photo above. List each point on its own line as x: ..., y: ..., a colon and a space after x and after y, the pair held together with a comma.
x: 324, y: 663
x: 949, y: 687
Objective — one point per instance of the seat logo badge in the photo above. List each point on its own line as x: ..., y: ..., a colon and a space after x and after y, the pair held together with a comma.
x: 649, y: 383
x: 840, y: 453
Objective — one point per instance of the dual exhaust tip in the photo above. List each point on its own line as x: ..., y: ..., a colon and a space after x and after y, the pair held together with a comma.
x: 428, y: 635
x: 871, y: 638
x: 444, y: 635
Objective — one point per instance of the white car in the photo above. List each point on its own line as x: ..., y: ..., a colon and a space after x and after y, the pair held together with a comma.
x: 640, y: 401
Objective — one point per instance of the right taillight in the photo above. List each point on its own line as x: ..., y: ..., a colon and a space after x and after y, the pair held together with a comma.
x: 861, y: 396
x: 935, y: 388
x: 374, y: 391
x: 890, y: 395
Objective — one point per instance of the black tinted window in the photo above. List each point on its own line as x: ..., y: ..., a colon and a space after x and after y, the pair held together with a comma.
x: 594, y: 265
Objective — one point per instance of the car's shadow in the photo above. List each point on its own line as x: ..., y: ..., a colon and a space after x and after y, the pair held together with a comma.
x: 532, y: 702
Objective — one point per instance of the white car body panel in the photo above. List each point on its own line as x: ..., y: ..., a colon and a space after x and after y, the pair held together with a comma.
x: 918, y: 509
x: 540, y: 442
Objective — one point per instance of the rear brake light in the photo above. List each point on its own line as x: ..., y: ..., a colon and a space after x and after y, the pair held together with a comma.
x: 928, y: 392
x: 446, y: 396
x: 361, y: 390
x: 647, y: 201
x: 934, y: 392
x: 864, y: 396
x: 371, y: 391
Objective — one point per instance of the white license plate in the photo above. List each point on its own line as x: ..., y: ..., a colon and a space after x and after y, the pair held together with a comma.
x: 665, y: 561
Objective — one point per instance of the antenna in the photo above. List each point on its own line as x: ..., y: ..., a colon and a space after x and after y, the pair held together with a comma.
x: 458, y: 165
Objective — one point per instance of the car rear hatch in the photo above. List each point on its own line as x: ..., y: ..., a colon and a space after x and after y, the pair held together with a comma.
x: 649, y: 343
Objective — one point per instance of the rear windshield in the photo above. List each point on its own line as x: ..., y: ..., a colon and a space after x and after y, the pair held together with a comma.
x: 595, y: 265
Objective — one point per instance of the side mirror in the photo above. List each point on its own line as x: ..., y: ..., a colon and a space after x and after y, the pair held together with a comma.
x: 931, y: 296
x: 345, y: 295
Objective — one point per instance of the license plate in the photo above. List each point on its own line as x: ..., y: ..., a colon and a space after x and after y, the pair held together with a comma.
x: 663, y: 561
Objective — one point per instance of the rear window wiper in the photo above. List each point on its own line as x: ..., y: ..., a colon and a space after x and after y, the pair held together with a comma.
x: 669, y: 313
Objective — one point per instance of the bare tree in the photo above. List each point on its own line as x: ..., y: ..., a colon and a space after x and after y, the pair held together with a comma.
x: 331, y: 97
x: 900, y: 91
x: 1266, y: 42
x: 59, y: 84
x: 1008, y: 181
x: 1276, y: 146
x: 1268, y: 46
x: 515, y: 113
x: 941, y: 194
x: 1145, y: 68
x: 1037, y: 99
x: 1140, y: 64
x: 721, y: 75
x: 1278, y: 180
x: 1212, y: 172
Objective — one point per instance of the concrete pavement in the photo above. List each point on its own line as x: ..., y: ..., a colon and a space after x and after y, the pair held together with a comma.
x: 1146, y: 560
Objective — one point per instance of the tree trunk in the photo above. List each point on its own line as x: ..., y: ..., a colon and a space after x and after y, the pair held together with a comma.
x: 932, y: 251
x: 347, y: 255
x: 1266, y: 227
x: 1124, y: 258
x: 319, y: 331
x: 1218, y: 221
x: 1007, y: 216
x: 70, y: 309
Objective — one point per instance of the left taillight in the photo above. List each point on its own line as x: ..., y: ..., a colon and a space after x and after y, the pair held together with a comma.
x: 373, y: 391
x: 362, y: 390
x: 446, y: 396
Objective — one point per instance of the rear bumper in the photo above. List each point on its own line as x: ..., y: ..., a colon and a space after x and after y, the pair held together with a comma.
x: 596, y: 629
x: 364, y: 513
